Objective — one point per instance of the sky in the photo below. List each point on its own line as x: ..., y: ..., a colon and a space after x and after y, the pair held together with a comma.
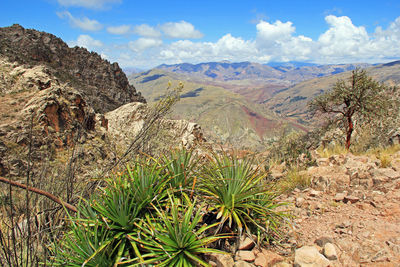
x: 145, y: 34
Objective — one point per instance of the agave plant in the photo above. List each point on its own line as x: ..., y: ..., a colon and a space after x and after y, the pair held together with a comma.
x: 174, y: 238
x: 180, y: 165
x: 238, y: 195
x: 99, y: 234
x: 85, y: 245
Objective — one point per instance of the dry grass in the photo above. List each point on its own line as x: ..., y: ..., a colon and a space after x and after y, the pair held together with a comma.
x: 293, y: 179
x: 332, y: 150
x: 384, y: 154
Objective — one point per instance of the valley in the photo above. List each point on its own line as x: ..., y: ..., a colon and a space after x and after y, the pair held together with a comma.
x: 247, y: 105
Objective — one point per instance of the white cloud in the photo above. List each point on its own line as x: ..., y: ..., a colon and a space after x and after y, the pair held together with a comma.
x: 275, y: 32
x: 93, y: 4
x: 84, y: 23
x: 144, y: 43
x: 146, y: 31
x: 342, y: 42
x: 180, y: 30
x: 119, y: 30
x: 87, y: 42
x: 342, y: 38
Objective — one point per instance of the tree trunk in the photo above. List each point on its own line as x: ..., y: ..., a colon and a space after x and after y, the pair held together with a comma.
x: 349, y: 132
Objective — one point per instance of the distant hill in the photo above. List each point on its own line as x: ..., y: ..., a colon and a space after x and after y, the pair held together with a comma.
x: 225, y: 116
x: 292, y: 101
x: 292, y: 72
x: 255, y: 81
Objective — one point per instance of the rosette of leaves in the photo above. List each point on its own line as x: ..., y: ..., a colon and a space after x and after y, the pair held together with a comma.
x: 238, y: 195
x: 174, y: 237
x: 98, y: 235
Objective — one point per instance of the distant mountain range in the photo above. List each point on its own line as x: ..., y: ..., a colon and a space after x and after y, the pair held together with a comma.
x: 292, y: 72
x: 291, y: 102
x: 246, y: 103
x: 225, y: 116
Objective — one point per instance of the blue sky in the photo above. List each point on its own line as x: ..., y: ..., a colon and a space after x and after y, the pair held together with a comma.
x: 145, y: 34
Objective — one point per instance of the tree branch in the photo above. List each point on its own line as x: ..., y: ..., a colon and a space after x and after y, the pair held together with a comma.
x: 40, y: 192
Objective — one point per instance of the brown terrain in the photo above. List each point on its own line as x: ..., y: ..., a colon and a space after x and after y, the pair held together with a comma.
x: 350, y: 216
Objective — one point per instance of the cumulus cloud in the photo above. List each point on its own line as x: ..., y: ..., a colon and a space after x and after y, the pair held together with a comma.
x: 342, y: 42
x: 180, y: 30
x: 87, y: 42
x: 119, y: 30
x: 146, y: 31
x: 342, y: 38
x: 84, y: 23
x: 275, y: 32
x: 144, y: 43
x: 92, y: 4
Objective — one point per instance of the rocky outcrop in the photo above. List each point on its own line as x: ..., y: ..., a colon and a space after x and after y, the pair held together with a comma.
x: 125, y: 123
x: 105, y: 85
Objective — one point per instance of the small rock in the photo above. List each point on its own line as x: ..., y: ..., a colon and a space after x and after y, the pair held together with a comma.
x: 267, y: 258
x: 242, y: 264
x: 299, y: 202
x: 246, y: 244
x: 282, y: 264
x: 221, y: 260
x: 339, y: 197
x: 378, y: 180
x: 351, y: 199
x: 245, y: 255
x: 330, y: 251
x: 309, y: 256
x: 315, y: 193
x: 323, y: 240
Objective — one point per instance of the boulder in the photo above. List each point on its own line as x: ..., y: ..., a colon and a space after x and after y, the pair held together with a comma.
x: 309, y: 256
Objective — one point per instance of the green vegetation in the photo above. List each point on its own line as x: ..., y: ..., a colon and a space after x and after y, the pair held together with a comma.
x: 144, y: 214
x: 360, y: 97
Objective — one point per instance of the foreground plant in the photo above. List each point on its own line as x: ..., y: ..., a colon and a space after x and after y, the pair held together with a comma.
x: 174, y: 238
x: 179, y: 165
x: 238, y: 195
x: 98, y: 236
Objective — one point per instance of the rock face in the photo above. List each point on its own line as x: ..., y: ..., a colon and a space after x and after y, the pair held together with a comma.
x: 125, y: 123
x: 105, y: 85
x: 69, y: 105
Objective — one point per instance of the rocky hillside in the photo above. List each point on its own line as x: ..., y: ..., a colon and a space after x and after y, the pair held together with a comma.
x: 349, y: 216
x: 105, y: 85
x: 225, y: 116
x: 256, y: 82
x: 73, y: 110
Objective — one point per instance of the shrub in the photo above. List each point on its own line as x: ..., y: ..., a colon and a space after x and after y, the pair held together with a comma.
x: 99, y: 234
x: 238, y: 195
x: 175, y: 239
